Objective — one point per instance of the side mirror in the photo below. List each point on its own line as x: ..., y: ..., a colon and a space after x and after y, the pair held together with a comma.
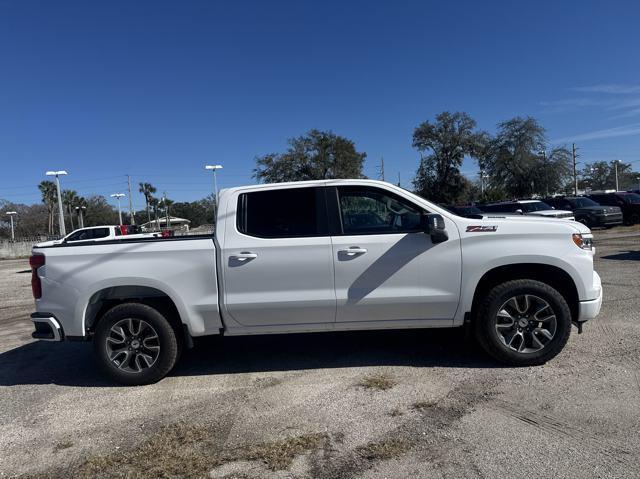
x: 519, y: 211
x: 433, y: 225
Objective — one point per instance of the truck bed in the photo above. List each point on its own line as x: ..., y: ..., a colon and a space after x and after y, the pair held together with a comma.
x: 78, y: 278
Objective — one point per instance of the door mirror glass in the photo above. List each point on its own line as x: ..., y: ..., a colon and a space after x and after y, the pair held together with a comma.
x: 434, y: 226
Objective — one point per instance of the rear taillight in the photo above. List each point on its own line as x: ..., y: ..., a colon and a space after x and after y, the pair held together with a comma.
x: 35, y: 261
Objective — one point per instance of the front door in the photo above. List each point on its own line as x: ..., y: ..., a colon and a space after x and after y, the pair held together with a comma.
x: 386, y: 267
x: 277, y: 259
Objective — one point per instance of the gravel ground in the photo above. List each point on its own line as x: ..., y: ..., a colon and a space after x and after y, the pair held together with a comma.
x: 372, y: 405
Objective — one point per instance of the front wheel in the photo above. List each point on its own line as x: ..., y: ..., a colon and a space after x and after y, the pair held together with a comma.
x: 523, y: 322
x: 135, y: 344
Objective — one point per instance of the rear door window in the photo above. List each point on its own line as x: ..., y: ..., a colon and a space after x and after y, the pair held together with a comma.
x: 98, y: 233
x: 283, y: 213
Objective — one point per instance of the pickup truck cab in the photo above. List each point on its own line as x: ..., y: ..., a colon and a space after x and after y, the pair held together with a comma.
x: 315, y: 256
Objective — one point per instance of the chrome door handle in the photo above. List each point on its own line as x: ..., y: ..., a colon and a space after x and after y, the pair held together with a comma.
x: 353, y: 251
x: 244, y: 256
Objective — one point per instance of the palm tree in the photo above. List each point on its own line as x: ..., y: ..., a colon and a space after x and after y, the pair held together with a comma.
x: 167, y: 206
x: 147, y: 189
x: 69, y: 198
x: 153, y: 202
x: 49, y: 198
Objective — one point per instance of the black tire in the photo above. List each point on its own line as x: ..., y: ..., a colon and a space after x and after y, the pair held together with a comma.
x: 585, y: 221
x: 634, y: 219
x: 487, y: 316
x: 165, y: 339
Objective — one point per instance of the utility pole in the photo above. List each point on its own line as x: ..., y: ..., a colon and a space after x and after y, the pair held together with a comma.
x: 575, y: 174
x: 11, y: 215
x: 546, y: 171
x: 131, y: 213
x: 214, y: 168
x: 166, y: 210
x: 399, y: 179
x: 63, y: 230
x: 615, y: 164
x: 381, y: 171
x: 118, y: 196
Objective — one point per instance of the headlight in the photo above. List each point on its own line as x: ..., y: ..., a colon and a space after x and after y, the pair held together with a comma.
x: 583, y: 241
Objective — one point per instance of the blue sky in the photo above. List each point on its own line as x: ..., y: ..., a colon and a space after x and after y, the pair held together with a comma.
x: 157, y: 89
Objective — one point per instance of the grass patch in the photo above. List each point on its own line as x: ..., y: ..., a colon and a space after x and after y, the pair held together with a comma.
x: 383, y: 450
x: 279, y: 455
x: 182, y: 450
x: 379, y: 382
x: 62, y: 446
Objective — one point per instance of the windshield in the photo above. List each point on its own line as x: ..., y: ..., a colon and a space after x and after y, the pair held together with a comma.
x: 582, y: 202
x: 534, y: 206
x: 630, y: 197
x: 467, y: 210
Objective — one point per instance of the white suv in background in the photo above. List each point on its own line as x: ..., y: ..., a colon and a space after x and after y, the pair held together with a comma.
x: 527, y: 207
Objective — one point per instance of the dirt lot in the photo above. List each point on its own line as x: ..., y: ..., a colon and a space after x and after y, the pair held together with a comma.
x: 371, y: 405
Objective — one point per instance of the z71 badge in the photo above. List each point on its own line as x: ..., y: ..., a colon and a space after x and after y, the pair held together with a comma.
x: 481, y: 229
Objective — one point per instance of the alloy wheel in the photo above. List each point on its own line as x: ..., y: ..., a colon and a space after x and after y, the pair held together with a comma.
x: 133, y: 345
x: 526, y: 323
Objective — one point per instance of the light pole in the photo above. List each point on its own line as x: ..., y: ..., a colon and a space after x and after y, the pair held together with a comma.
x: 214, y: 168
x: 546, y: 173
x: 80, y: 210
x: 615, y: 164
x: 118, y: 196
x: 11, y: 215
x: 63, y: 230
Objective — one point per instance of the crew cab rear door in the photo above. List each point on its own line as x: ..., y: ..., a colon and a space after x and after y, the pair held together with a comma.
x: 386, y: 267
x: 277, y: 258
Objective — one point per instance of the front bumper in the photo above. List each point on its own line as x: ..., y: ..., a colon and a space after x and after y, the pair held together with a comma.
x: 47, y: 327
x: 591, y: 308
x: 609, y: 220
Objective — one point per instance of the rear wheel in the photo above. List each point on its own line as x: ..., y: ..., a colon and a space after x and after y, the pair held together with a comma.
x: 135, y: 344
x: 523, y: 322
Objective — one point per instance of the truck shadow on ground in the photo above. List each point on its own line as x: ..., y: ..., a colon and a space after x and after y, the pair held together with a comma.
x: 626, y: 256
x: 72, y: 363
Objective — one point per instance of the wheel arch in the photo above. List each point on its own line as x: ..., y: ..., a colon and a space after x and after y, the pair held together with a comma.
x: 106, y: 298
x: 554, y: 276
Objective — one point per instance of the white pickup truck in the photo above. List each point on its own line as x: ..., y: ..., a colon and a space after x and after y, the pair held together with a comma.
x: 319, y: 256
x: 100, y: 233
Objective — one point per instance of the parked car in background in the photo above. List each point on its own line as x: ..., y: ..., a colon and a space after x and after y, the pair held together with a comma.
x: 527, y: 207
x: 588, y: 211
x: 101, y: 233
x: 466, y: 211
x: 629, y: 203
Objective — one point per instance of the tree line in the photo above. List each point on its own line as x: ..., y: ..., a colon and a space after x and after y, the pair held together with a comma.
x: 517, y: 162
x: 95, y: 210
